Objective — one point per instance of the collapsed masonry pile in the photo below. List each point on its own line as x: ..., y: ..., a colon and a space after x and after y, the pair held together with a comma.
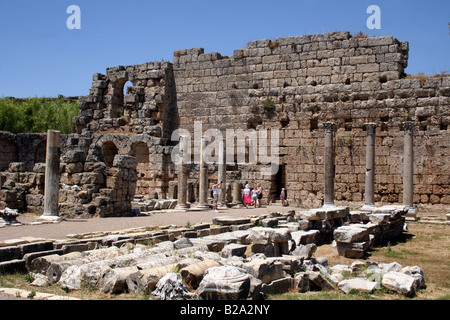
x: 233, y: 259
x: 353, y: 233
x: 383, y: 224
x: 146, y: 206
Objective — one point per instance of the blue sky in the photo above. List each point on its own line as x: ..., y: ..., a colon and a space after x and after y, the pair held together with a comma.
x: 40, y: 56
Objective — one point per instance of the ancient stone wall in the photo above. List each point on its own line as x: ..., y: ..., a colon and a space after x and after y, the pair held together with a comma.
x: 22, y: 170
x: 294, y: 84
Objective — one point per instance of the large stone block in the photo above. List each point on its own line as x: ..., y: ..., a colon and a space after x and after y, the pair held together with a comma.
x: 225, y: 283
x: 351, y: 233
x: 10, y: 253
x: 266, y: 270
x: 126, y: 162
x: 325, y: 213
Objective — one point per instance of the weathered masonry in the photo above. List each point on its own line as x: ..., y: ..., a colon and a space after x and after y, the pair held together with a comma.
x: 122, y: 147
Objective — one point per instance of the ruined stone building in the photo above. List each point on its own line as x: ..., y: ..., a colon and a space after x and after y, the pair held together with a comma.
x: 122, y: 146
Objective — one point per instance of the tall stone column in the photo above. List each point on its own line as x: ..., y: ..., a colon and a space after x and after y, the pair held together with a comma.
x: 369, y: 191
x: 329, y: 173
x: 203, y: 180
x: 222, y: 174
x: 51, y: 192
x: 408, y: 166
x: 182, y: 175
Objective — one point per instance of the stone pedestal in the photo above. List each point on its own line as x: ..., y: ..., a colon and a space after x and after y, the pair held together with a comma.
x: 203, y: 180
x: 369, y: 203
x: 182, y: 175
x: 51, y: 192
x: 329, y: 128
x: 408, y: 166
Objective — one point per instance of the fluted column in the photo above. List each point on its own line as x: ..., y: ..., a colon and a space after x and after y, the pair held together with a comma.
x: 369, y: 197
x: 203, y: 181
x: 408, y: 166
x: 329, y: 173
x: 222, y: 174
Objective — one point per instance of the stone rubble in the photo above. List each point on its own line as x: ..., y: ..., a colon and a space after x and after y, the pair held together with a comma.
x: 221, y: 262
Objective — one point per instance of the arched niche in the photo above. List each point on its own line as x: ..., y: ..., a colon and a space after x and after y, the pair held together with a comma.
x: 116, y: 109
x: 109, y: 150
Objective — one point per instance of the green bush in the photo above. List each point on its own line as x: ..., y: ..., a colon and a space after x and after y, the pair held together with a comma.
x: 38, y: 115
x: 269, y: 104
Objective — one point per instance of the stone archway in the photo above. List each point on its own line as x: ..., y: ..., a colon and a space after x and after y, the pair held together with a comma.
x: 109, y: 150
x: 116, y: 109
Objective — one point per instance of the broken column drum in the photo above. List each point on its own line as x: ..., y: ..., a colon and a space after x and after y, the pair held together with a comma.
x: 203, y: 181
x: 329, y: 172
x: 182, y: 173
x: 408, y: 166
x: 52, y: 176
x: 237, y: 193
x: 369, y: 203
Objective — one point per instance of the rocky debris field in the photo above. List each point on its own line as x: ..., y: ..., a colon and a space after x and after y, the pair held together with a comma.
x: 233, y: 258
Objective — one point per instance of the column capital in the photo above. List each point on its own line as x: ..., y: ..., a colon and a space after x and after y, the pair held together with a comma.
x: 370, y: 127
x: 329, y: 127
x: 408, y: 126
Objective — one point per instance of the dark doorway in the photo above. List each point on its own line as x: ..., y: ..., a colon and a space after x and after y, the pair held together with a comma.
x: 278, y: 182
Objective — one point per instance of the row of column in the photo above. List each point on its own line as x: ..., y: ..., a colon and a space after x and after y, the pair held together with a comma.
x: 53, y: 155
x: 203, y: 179
x: 329, y: 170
x: 369, y: 203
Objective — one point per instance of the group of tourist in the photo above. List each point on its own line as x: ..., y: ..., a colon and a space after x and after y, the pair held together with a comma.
x: 251, y: 196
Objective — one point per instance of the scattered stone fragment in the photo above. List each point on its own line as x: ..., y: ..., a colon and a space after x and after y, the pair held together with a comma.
x: 357, y: 284
x: 401, y: 283
x: 225, y: 283
x: 171, y: 286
